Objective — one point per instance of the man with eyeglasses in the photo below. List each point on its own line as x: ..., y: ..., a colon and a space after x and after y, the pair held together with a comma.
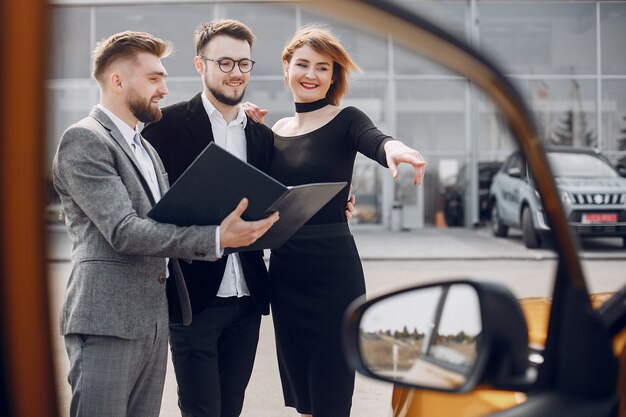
x: 213, y: 357
x: 115, y: 314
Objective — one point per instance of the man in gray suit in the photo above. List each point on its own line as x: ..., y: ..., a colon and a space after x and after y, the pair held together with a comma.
x: 115, y: 314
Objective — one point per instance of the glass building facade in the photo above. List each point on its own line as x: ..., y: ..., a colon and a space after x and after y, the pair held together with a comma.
x: 567, y: 58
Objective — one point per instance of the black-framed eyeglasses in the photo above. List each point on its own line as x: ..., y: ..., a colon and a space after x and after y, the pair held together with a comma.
x: 228, y: 64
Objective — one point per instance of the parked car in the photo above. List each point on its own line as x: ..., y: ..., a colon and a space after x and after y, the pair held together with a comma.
x: 456, y: 193
x: 592, y: 192
x: 462, y: 347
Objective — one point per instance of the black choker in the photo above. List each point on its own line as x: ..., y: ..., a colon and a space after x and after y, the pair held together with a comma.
x: 312, y: 106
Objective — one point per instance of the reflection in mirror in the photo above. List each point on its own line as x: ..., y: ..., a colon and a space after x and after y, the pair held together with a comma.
x: 427, y: 337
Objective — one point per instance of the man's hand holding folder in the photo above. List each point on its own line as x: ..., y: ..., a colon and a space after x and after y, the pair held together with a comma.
x: 236, y: 232
x: 202, y: 195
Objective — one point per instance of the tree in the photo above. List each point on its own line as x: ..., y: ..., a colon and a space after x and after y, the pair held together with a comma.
x: 417, y: 335
x: 571, y: 129
x: 563, y: 132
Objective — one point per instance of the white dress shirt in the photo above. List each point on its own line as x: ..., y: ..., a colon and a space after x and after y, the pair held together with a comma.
x: 231, y: 137
x: 145, y: 163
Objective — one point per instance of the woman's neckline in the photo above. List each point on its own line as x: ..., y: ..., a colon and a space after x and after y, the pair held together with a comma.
x: 313, y: 130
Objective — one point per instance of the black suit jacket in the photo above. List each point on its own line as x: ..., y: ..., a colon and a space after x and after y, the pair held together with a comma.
x: 179, y: 137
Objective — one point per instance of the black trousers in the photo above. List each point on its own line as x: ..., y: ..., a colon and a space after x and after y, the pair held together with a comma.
x: 213, y: 357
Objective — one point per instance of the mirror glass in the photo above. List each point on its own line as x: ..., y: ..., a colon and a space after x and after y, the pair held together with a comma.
x: 427, y: 337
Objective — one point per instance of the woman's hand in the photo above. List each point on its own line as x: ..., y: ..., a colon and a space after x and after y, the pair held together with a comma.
x: 397, y: 153
x: 350, y: 204
x: 254, y: 112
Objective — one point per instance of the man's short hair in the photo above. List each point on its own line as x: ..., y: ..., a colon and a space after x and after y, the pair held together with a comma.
x: 228, y: 27
x: 126, y: 45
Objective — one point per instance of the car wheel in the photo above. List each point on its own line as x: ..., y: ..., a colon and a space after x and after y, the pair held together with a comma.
x: 531, y: 238
x: 497, y: 227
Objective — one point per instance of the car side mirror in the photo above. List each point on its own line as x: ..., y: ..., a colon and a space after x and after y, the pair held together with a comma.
x: 444, y: 337
x: 515, y: 172
x: 621, y: 170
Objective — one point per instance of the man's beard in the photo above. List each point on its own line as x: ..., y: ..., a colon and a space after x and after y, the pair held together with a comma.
x: 219, y: 96
x: 141, y: 108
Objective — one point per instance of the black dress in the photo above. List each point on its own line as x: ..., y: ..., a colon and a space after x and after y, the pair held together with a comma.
x: 317, y: 273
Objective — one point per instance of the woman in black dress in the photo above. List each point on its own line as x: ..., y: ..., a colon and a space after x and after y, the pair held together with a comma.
x: 317, y: 273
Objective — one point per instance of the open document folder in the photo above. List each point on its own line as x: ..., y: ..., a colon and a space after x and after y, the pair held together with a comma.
x: 216, y: 181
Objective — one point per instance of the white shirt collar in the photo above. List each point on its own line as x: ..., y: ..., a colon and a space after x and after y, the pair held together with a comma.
x: 127, y: 131
x: 214, y: 114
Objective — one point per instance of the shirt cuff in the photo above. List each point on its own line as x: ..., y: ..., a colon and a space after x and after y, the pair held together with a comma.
x: 219, y: 252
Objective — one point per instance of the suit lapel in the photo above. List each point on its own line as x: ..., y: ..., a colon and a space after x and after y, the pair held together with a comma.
x: 199, y: 124
x: 117, y: 136
x: 108, y: 124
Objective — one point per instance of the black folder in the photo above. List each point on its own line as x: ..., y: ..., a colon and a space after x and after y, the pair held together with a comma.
x: 212, y: 186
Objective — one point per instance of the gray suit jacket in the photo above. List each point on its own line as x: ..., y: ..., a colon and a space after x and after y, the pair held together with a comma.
x: 117, y: 284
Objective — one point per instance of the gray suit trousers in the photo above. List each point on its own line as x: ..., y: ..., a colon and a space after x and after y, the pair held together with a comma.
x: 115, y: 377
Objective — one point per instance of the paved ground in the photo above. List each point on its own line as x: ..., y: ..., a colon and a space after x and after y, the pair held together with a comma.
x: 468, y: 244
x: 389, y: 259
x: 264, y: 396
x: 428, y: 243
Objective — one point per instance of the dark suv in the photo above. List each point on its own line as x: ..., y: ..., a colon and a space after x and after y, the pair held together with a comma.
x: 592, y: 192
x: 455, y: 194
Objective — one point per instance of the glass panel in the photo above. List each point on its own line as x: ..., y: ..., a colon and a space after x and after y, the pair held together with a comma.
x: 614, y: 115
x: 494, y: 138
x: 173, y: 23
x: 613, y: 27
x: 431, y: 114
x: 407, y: 62
x: 272, y: 25
x: 367, y: 50
x: 70, y: 105
x: 431, y: 119
x: 70, y: 43
x: 367, y: 184
x: 540, y: 38
x: 273, y: 96
x: 565, y: 113
x: 451, y: 16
